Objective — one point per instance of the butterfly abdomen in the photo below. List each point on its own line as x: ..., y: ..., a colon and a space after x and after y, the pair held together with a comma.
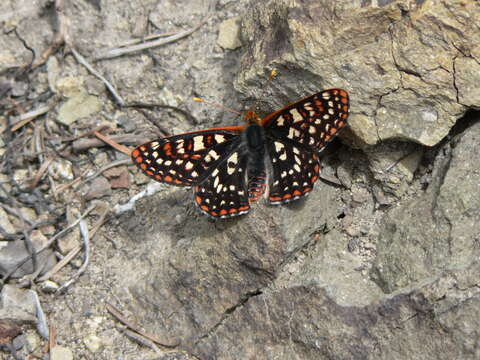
x: 255, y: 141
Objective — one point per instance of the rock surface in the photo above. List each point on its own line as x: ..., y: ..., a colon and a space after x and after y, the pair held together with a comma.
x: 410, y: 64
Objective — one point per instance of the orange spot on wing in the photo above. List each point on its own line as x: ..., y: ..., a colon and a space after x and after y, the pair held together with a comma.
x: 333, y: 130
x: 287, y: 196
x: 243, y: 208
x: 158, y: 177
x: 314, y: 178
x: 198, y: 199
x: 135, y: 153
x: 178, y: 181
x: 232, y: 211
x: 150, y: 172
x: 204, y: 207
x: 297, y: 193
x: 275, y: 198
x: 343, y: 94
x: 143, y: 166
x: 223, y: 212
x: 139, y: 160
x: 168, y: 149
x: 345, y: 108
x: 213, y: 213
x: 168, y: 178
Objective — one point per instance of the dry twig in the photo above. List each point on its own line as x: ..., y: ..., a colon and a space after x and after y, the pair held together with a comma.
x: 112, y: 143
x: 148, y: 45
x: 89, y: 67
x: 85, y: 144
x: 119, y: 316
x: 86, y: 247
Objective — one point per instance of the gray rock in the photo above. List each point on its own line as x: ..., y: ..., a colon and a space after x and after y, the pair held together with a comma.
x: 77, y: 107
x: 423, y: 236
x: 15, y: 251
x: 60, y: 353
x: 229, y: 34
x: 98, y: 187
x: 377, y: 52
x: 5, y: 223
x: 432, y: 322
x: 17, y: 305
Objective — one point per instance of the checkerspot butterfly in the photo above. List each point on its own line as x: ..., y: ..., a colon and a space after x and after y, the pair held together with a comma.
x: 227, y: 167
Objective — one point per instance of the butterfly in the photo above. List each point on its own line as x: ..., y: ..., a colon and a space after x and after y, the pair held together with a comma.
x: 229, y: 168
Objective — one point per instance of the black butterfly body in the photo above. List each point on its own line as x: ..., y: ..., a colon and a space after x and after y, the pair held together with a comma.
x: 228, y: 167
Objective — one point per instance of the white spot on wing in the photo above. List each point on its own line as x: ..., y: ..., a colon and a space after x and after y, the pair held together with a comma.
x: 219, y: 138
x: 297, y: 117
x: 232, y: 159
x: 189, y: 165
x: 278, y: 146
x: 198, y: 143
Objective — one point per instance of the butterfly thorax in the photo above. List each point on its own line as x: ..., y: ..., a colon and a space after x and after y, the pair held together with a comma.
x: 251, y: 117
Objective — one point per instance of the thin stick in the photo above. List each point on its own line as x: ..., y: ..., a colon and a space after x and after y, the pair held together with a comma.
x: 109, y: 166
x: 58, y: 266
x: 119, y: 316
x: 40, y: 173
x: 145, y: 38
x: 110, y: 87
x: 72, y: 253
x: 86, y: 247
x: 134, y: 48
x: 113, y: 144
x: 140, y: 339
x: 85, y: 144
x: 25, y: 118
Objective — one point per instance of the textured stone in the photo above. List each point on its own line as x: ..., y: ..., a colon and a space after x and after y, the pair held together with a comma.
x: 15, y: 251
x: 77, y: 107
x: 229, y: 34
x: 60, y: 353
x: 439, y: 229
x: 402, y: 61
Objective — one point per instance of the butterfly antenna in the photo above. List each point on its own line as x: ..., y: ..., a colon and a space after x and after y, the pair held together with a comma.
x: 221, y: 107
